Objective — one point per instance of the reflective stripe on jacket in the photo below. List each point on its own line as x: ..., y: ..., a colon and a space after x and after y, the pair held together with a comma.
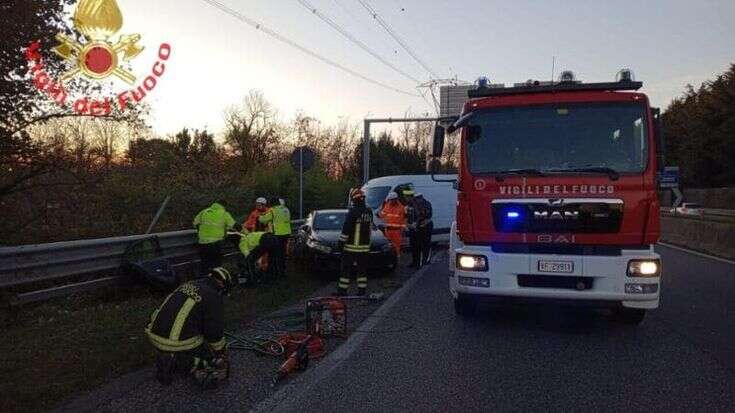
x: 190, y: 316
x: 357, y: 229
x: 280, y: 217
x: 213, y: 224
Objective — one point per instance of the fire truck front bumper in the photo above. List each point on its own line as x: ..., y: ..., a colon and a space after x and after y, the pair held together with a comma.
x: 631, y: 279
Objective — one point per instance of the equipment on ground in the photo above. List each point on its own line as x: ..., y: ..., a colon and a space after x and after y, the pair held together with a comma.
x: 301, y: 348
x: 268, y: 345
x: 326, y: 317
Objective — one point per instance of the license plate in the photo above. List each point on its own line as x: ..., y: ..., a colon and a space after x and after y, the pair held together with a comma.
x: 556, y: 266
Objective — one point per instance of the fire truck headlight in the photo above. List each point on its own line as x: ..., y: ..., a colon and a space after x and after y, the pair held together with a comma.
x: 472, y: 262
x: 644, y: 268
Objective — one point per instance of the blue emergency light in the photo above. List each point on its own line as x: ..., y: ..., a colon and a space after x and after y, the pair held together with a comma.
x: 513, y: 215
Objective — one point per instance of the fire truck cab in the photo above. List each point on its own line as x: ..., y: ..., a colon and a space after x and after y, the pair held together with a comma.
x: 557, y: 196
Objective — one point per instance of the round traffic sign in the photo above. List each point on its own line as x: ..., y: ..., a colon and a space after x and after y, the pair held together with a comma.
x: 303, y: 154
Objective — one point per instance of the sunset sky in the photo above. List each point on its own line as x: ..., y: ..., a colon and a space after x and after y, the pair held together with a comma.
x: 217, y: 59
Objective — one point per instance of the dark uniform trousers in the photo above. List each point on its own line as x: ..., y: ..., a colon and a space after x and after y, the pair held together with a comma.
x: 353, y: 265
x: 425, y: 242
x: 269, y: 244
x: 279, y: 260
x: 211, y: 256
x: 414, y: 239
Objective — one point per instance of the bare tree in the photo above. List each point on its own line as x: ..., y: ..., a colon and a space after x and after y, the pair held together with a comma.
x: 338, y: 151
x: 108, y: 137
x: 451, y: 150
x: 252, y: 131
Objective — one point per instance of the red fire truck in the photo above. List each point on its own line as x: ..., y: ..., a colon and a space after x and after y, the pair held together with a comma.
x: 557, y: 197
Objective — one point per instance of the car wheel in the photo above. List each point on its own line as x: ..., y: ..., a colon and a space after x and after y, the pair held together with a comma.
x: 631, y: 316
x: 465, y: 305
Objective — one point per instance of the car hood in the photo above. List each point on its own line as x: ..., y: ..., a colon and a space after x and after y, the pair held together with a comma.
x: 331, y: 237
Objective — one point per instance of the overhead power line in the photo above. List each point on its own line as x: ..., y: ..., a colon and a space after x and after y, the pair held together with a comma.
x: 301, y: 48
x: 396, y: 37
x: 354, y: 40
x: 351, y: 14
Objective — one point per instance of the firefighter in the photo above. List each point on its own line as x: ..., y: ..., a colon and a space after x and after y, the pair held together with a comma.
x: 412, y: 219
x: 252, y: 224
x: 279, y: 218
x: 354, y: 243
x: 255, y: 247
x: 187, y: 331
x: 212, y: 224
x: 425, y: 226
x: 393, y: 214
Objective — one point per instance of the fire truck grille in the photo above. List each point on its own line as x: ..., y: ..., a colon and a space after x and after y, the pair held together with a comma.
x: 558, y: 217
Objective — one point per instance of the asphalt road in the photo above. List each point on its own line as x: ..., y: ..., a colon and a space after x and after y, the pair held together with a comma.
x: 536, y: 358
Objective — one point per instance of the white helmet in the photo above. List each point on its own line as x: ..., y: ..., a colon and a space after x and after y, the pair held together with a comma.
x: 261, y: 200
x: 391, y: 196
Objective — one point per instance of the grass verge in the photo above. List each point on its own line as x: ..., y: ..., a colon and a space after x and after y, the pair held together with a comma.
x: 54, y: 350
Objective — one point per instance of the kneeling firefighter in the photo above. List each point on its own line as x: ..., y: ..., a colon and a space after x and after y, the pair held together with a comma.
x: 355, y: 243
x: 188, y: 331
x: 254, y: 246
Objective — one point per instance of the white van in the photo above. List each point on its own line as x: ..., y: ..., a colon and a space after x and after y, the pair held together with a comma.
x: 442, y: 195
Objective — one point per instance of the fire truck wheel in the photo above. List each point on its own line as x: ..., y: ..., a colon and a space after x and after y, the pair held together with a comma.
x: 632, y: 316
x: 465, y: 305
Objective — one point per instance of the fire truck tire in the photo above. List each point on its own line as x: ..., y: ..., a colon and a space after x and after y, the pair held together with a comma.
x: 631, y: 316
x: 465, y: 306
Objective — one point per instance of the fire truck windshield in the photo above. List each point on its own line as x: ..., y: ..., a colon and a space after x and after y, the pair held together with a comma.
x: 558, y: 138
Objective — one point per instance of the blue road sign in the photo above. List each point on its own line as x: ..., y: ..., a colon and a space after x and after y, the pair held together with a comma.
x: 669, y: 178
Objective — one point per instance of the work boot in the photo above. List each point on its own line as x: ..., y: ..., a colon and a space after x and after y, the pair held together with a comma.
x: 340, y: 292
x: 165, y: 365
x: 206, y: 378
x: 361, y: 292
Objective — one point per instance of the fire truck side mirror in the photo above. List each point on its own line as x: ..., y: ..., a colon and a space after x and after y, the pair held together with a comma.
x: 438, y: 147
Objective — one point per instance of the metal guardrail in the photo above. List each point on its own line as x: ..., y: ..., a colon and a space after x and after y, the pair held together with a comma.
x: 707, y: 212
x: 48, y: 262
x: 720, y: 212
x: 56, y: 262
